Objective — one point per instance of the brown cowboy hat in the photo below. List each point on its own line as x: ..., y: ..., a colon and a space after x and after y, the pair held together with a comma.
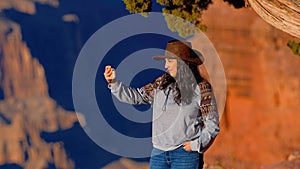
x: 181, y: 50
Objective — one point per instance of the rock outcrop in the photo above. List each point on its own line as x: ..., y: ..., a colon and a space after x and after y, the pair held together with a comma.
x: 283, y: 14
x: 25, y: 6
x: 70, y: 18
x: 18, y: 70
x: 125, y: 163
x: 26, y: 110
x: 22, y: 121
x: 293, y: 162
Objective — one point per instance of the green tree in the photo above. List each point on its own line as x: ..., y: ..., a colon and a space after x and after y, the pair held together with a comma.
x: 138, y: 6
x: 182, y: 16
x: 294, y: 46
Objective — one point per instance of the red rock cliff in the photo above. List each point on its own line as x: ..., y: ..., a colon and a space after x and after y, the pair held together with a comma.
x: 18, y: 70
x: 260, y: 125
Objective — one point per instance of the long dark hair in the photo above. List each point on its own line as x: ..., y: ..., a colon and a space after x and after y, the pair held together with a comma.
x: 184, y: 84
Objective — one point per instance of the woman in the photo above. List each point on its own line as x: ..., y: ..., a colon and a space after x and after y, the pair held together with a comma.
x: 185, y: 117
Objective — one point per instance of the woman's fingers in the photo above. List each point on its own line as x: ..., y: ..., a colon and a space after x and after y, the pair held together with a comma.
x: 108, y: 70
x: 108, y: 74
x: 187, y: 146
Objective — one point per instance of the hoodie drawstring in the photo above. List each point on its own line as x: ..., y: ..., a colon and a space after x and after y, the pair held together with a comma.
x: 165, y: 103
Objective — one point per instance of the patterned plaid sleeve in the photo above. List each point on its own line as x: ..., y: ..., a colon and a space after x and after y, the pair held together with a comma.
x: 208, y: 104
x: 147, y: 91
x: 209, y: 119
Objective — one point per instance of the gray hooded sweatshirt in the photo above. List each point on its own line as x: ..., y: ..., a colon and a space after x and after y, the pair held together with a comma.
x: 173, y: 124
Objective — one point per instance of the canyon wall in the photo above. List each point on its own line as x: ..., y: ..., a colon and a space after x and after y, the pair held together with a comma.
x: 26, y: 110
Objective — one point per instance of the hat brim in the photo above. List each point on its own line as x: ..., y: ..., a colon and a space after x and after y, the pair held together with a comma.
x: 196, y: 60
x: 164, y: 57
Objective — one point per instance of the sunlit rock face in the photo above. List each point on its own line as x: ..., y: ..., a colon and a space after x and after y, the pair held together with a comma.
x: 25, y: 6
x: 124, y: 163
x: 26, y: 110
x: 21, y: 123
x: 22, y: 75
x: 259, y: 125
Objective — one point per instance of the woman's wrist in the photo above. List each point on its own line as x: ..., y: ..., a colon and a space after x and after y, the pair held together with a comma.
x: 112, y: 83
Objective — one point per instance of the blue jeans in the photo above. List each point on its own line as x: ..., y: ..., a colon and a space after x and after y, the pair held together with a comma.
x: 174, y: 159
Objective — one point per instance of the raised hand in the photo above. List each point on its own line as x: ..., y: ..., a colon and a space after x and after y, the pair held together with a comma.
x: 110, y: 74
